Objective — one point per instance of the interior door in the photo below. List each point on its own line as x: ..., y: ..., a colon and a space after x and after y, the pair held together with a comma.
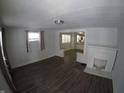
x: 5, y: 68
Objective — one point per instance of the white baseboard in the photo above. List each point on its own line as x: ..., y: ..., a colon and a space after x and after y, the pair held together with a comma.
x: 32, y: 61
x: 98, y: 73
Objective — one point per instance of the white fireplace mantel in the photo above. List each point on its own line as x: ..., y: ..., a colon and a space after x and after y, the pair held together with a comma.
x: 103, y: 53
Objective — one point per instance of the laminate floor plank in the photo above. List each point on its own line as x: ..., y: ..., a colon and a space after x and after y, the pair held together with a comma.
x: 53, y: 75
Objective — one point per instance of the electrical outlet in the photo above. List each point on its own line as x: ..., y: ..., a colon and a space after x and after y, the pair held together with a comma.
x: 2, y: 91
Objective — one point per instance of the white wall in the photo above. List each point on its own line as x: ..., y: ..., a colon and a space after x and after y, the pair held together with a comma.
x: 94, y: 36
x: 118, y: 72
x: 16, y: 47
x: 3, y: 84
x: 102, y: 36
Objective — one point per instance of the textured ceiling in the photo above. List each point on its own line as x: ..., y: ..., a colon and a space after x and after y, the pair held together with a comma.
x: 75, y: 13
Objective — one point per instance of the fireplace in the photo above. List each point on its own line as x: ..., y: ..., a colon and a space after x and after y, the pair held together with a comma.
x: 100, y: 60
x: 99, y: 64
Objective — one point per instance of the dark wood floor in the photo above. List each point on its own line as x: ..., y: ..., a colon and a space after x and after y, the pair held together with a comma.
x: 54, y: 76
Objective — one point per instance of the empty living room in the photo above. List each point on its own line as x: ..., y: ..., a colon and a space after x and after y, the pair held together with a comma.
x: 61, y: 46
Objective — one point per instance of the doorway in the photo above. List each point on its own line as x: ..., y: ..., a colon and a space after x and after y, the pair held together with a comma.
x: 72, y: 43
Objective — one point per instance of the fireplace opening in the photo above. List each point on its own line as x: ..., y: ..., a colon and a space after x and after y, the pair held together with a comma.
x: 99, y: 64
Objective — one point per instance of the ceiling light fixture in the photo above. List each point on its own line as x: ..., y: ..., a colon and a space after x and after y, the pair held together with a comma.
x: 58, y: 21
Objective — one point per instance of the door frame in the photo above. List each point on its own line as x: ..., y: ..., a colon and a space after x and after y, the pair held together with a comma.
x: 4, y: 64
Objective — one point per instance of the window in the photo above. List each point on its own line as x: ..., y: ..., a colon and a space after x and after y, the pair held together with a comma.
x: 33, y: 36
x: 72, y: 40
x: 80, y: 38
x: 66, y: 38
